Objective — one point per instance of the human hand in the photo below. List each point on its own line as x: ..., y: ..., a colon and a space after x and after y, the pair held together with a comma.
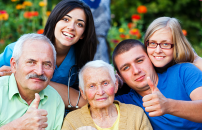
x: 34, y: 118
x: 155, y: 103
x: 86, y: 128
x: 5, y: 70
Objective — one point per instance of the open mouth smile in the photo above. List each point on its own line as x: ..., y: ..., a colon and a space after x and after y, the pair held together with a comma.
x: 68, y: 35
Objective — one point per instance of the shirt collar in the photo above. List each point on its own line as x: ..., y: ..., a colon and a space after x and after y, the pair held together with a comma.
x: 13, y: 89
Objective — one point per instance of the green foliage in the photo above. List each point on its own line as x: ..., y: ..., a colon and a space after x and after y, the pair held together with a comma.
x: 17, y: 23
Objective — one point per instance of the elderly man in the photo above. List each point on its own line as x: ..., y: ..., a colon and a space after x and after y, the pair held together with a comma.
x: 169, y: 104
x: 26, y: 100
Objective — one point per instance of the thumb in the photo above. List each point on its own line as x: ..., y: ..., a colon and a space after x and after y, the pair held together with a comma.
x: 36, y: 101
x: 151, y: 85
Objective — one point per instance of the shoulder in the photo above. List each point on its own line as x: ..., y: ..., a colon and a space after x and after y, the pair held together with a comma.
x: 78, y: 113
x: 4, y: 81
x: 182, y: 68
x: 129, y: 107
x: 52, y: 93
x: 78, y: 117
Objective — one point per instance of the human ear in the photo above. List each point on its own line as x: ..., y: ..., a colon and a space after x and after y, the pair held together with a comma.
x: 116, y: 86
x: 82, y: 93
x: 13, y: 64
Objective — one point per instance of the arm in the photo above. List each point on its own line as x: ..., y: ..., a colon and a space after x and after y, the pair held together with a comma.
x: 5, y: 70
x: 6, y: 55
x: 190, y: 110
x: 5, y: 60
x: 156, y: 104
x: 63, y: 91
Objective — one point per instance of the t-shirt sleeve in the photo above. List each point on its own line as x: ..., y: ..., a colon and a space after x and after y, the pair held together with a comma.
x: 191, y: 77
x: 6, y: 55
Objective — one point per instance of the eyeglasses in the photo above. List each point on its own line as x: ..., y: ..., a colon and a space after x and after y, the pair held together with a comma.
x: 162, y: 45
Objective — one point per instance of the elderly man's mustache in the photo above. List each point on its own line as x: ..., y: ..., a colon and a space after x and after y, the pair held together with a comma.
x: 41, y: 77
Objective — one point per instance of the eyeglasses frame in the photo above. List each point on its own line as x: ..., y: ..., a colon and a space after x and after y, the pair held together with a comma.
x: 147, y: 42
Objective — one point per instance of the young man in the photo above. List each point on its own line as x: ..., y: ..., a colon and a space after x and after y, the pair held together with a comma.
x: 171, y: 100
x: 26, y: 99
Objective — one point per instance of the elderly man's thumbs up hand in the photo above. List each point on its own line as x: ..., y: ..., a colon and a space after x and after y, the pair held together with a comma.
x: 155, y: 103
x: 35, y: 118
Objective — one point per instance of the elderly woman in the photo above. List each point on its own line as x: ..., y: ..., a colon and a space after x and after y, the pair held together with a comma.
x: 98, y: 86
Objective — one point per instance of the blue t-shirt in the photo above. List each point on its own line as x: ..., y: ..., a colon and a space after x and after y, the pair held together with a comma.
x: 61, y: 73
x: 176, y: 83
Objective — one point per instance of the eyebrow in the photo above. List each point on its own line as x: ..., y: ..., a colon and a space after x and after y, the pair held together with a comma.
x: 161, y: 41
x: 47, y: 62
x: 30, y: 59
x: 36, y: 61
x: 77, y: 19
x: 142, y: 56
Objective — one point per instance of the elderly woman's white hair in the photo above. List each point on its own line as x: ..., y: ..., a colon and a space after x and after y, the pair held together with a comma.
x: 96, y: 64
x: 18, y: 49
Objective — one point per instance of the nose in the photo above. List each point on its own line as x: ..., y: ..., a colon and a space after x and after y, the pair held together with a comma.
x: 39, y: 69
x: 158, y: 49
x: 100, y: 90
x: 71, y: 25
x: 136, y: 69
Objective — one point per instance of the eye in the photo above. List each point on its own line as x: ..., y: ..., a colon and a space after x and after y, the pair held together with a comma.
x: 165, y: 44
x: 91, y: 86
x: 30, y: 62
x: 47, y: 65
x: 80, y: 24
x: 65, y: 19
x: 152, y: 43
x: 140, y: 60
x: 105, y: 83
x: 126, y: 68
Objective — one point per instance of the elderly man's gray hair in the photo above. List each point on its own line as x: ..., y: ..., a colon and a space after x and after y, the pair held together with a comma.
x: 17, y: 52
x: 96, y: 64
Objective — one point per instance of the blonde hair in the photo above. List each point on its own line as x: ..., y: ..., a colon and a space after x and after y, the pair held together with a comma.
x: 183, y: 51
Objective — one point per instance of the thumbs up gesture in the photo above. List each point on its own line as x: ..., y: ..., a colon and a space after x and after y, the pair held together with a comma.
x: 35, y: 118
x: 155, y: 103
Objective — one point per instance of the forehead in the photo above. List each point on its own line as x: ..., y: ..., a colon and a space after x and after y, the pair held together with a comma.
x: 37, y: 49
x: 77, y: 13
x: 93, y: 75
x: 129, y: 56
x: 162, y: 34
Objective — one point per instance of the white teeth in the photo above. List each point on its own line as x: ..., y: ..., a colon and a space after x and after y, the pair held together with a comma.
x: 158, y: 57
x: 67, y: 34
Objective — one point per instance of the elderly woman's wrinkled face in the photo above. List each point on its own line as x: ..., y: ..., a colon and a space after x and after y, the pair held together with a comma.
x: 99, y: 89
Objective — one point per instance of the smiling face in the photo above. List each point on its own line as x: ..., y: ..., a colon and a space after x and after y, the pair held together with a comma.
x: 134, y: 67
x: 99, y: 89
x: 161, y: 57
x: 70, y: 28
x: 34, y: 60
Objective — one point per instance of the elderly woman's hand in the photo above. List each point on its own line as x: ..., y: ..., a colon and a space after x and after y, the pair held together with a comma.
x: 86, y: 128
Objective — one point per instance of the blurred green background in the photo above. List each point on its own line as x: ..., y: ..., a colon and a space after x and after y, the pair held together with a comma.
x: 19, y: 16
